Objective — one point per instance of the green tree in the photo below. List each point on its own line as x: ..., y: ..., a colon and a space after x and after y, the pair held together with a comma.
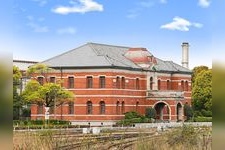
x: 196, y: 71
x: 188, y: 111
x: 49, y: 94
x: 40, y: 69
x: 150, y: 112
x: 202, y: 92
x: 17, y: 103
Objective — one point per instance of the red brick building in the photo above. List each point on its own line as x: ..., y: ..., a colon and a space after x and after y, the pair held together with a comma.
x: 110, y: 80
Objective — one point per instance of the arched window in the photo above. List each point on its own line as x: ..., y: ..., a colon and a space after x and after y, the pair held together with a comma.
x: 71, y: 108
x: 123, y: 83
x: 123, y: 107
x: 118, y: 82
x: 102, y: 107
x: 40, y: 80
x: 137, y: 83
x: 186, y: 85
x: 159, y: 85
x: 89, y: 107
x: 117, y: 107
x: 151, y: 83
x: 168, y: 85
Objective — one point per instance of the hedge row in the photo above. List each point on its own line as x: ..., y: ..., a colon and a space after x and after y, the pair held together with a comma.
x: 203, y: 119
x: 40, y: 122
x: 129, y: 122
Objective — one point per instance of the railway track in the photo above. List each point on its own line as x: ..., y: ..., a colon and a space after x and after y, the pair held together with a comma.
x: 104, y: 142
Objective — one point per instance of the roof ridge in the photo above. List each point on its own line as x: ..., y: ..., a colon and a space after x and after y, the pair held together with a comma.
x: 108, y: 45
x: 95, y: 51
x: 63, y: 53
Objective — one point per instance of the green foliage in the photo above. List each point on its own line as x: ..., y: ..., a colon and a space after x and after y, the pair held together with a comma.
x: 17, y: 103
x: 185, y: 136
x: 202, y: 90
x: 150, y: 112
x: 40, y: 122
x: 49, y: 94
x: 46, y: 94
x: 39, y: 69
x: 206, y: 113
x: 16, y: 76
x: 198, y: 70
x: 203, y: 119
x: 188, y: 111
x: 133, y: 117
x: 132, y: 114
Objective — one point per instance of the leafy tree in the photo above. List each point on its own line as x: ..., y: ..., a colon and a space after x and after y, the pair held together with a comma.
x: 17, y: 103
x: 16, y: 75
x: 196, y: 71
x: 40, y: 69
x: 202, y: 91
x: 49, y: 94
x: 188, y: 111
x: 150, y: 112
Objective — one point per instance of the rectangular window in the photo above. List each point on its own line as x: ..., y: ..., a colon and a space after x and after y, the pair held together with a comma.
x: 71, y: 82
x: 40, y: 80
x: 123, y: 83
x: 118, y: 82
x: 102, y: 82
x: 71, y: 108
x: 89, y: 82
x: 52, y: 79
x: 168, y: 85
x: 137, y: 84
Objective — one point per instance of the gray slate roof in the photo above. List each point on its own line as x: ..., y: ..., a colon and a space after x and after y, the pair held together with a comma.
x: 102, y: 55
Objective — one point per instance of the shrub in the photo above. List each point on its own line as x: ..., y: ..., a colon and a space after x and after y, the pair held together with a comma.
x: 132, y: 114
x: 183, y: 136
x: 203, y: 119
x: 188, y: 111
x: 150, y: 112
x: 206, y: 113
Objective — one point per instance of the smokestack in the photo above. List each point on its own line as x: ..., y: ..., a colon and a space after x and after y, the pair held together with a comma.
x: 185, y: 54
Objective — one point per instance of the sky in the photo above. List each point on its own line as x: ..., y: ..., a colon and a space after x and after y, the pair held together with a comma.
x: 40, y: 29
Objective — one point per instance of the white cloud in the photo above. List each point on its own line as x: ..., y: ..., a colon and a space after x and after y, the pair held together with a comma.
x: 35, y: 26
x: 67, y: 30
x: 133, y: 13
x: 180, y: 24
x: 41, y: 2
x: 204, y: 3
x: 146, y: 4
x: 85, y: 6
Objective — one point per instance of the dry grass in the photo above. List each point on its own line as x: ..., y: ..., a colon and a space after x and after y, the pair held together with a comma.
x: 177, y: 139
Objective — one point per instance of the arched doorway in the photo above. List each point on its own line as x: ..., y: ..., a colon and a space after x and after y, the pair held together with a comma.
x: 162, y: 111
x: 179, y: 112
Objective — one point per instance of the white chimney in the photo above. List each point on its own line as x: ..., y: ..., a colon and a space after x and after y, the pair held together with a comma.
x: 185, y: 54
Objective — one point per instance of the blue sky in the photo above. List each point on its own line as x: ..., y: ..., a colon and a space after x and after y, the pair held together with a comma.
x: 44, y: 28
